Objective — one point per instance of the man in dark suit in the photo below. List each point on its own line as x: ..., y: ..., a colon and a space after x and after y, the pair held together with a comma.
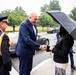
x: 5, y: 58
x: 27, y: 44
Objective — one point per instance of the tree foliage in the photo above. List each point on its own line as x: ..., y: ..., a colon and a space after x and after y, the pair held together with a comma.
x: 44, y: 8
x: 44, y: 20
x: 18, y: 15
x: 15, y: 16
x: 73, y: 13
x: 53, y: 5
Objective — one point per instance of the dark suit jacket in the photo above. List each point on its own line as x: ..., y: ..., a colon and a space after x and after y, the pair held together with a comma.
x: 5, y: 59
x: 27, y: 40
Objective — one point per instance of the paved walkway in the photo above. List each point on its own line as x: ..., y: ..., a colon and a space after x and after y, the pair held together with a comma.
x: 14, y: 72
x: 47, y: 67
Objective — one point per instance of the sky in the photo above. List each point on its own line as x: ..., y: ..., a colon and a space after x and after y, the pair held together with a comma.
x: 34, y: 5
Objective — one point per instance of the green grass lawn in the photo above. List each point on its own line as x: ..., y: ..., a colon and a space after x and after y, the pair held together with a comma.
x: 10, y: 29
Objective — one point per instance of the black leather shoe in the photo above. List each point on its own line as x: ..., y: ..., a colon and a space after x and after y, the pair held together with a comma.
x: 73, y: 67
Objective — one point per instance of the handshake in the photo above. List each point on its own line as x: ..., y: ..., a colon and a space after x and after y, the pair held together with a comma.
x: 45, y: 47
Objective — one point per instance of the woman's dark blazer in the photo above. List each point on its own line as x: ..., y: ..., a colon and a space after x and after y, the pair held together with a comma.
x: 61, y: 49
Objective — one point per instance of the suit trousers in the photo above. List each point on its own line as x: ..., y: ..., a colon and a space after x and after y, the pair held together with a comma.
x: 25, y: 65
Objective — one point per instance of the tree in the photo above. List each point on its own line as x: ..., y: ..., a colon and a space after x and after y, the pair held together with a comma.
x: 44, y: 20
x: 18, y: 15
x: 53, y: 5
x: 44, y: 8
x: 73, y: 13
x: 15, y: 16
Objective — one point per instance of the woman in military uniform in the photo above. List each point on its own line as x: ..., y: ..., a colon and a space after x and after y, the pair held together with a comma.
x: 5, y: 58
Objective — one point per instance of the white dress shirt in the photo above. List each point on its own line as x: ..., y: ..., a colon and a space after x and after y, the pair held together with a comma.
x: 34, y: 29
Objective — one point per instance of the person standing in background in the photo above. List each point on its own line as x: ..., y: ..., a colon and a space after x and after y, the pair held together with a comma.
x: 27, y: 44
x: 5, y: 58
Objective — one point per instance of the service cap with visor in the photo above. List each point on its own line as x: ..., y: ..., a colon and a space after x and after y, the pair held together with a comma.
x: 3, y: 17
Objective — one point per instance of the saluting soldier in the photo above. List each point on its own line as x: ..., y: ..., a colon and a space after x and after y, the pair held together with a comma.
x: 5, y: 58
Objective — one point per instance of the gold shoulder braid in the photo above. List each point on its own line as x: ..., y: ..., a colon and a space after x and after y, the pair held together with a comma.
x: 1, y: 37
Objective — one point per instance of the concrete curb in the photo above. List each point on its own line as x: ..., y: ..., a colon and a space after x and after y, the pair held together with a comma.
x: 14, y: 72
x: 41, y: 64
x: 42, y: 33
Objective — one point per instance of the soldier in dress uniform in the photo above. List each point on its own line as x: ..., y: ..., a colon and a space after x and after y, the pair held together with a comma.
x: 5, y: 58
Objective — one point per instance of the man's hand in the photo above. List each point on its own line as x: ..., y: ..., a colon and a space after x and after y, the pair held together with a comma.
x: 43, y: 47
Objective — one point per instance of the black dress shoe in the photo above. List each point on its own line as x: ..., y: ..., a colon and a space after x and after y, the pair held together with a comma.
x: 73, y: 67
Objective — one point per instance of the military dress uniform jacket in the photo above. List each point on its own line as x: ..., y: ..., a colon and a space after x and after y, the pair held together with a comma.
x: 5, y: 58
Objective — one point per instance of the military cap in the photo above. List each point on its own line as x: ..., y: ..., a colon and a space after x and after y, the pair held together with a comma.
x: 3, y: 17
